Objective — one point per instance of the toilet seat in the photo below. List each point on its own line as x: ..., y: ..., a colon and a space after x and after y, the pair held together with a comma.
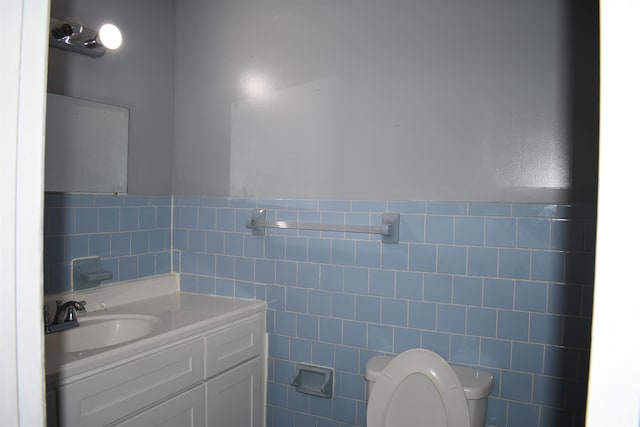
x: 417, y: 388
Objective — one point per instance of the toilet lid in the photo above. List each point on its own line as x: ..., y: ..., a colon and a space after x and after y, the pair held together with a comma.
x: 417, y: 388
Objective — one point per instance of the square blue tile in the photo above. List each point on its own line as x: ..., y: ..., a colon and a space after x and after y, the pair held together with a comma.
x: 498, y: 293
x: 128, y: 267
x: 129, y: 219
x: 409, y: 285
x: 307, y: 326
x: 233, y: 242
x: 527, y: 357
x: 343, y: 305
x: 225, y: 266
x: 265, y: 271
x: 481, y: 321
x: 501, y: 232
x: 422, y: 315
x: 344, y: 410
x: 319, y: 302
x: 523, y: 415
x: 343, y: 252
x: 379, y: 337
x: 347, y: 359
x: 452, y: 259
x: 352, y: 386
x: 368, y: 254
x: 309, y: 275
x: 467, y: 290
x: 394, y: 312
x: 331, y: 277
x: 322, y: 354
x: 548, y: 391
x: 356, y: 280
x: 330, y: 330
x: 564, y: 299
x: 296, y: 299
x: 568, y: 235
x: 108, y: 219
x: 120, y: 244
x: 469, y: 231
x: 548, y: 266
x: 86, y: 220
x: 286, y: 273
x: 381, y: 283
x: 483, y: 262
x: 531, y: 296
x: 439, y: 229
x: 206, y: 265
x: 495, y: 353
x: 546, y: 329
x: 514, y: 263
x: 368, y: 309
x: 99, y: 245
x: 319, y: 250
x: 214, y: 242
x: 533, y: 233
x: 395, y: 256
x: 516, y: 386
x: 276, y: 297
x: 438, y: 287
x: 244, y: 269
x: 285, y: 323
x: 300, y: 350
x: 465, y: 350
x: 196, y: 241
x: 147, y: 218
x: 513, y: 325
x: 412, y: 228
x: 296, y: 248
x: 422, y: 257
x: 451, y: 318
x: 354, y: 334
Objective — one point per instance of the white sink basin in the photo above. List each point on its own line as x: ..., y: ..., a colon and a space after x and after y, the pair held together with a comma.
x: 101, y: 331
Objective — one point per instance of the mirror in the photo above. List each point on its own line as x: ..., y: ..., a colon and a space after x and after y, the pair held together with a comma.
x: 86, y: 146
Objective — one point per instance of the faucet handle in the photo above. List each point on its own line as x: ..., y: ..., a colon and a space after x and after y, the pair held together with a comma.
x: 47, y: 317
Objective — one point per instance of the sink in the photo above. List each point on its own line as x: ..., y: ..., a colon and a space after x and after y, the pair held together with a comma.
x: 101, y: 331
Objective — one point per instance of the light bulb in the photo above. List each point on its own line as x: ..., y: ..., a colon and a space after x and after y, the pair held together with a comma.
x: 110, y: 36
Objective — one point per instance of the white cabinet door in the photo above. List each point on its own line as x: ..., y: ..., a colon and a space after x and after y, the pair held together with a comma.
x: 235, y: 398
x: 183, y: 410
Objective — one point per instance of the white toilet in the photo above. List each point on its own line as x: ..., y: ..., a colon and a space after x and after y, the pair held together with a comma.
x: 419, y: 388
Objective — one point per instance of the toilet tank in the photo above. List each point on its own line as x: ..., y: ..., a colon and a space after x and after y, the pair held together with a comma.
x: 476, y: 384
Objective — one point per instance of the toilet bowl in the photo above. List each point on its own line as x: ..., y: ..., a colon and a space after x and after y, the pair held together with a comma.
x: 419, y: 388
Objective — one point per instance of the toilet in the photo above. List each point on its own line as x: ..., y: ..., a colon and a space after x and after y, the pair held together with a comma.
x: 419, y: 388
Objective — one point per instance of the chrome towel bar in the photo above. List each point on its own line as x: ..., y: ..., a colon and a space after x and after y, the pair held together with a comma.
x: 389, y: 229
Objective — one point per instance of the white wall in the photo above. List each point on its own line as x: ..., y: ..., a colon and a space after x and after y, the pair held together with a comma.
x: 380, y: 99
x: 22, y: 100
x: 614, y: 373
x: 138, y: 76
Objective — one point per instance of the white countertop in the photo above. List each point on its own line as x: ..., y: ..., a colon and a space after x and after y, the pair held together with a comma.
x: 182, y: 315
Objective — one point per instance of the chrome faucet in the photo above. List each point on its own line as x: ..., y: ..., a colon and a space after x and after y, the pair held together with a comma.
x: 66, y: 316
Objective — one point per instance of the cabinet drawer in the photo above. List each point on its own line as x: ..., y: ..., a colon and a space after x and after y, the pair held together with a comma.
x: 183, y: 410
x: 234, y: 345
x: 114, y: 393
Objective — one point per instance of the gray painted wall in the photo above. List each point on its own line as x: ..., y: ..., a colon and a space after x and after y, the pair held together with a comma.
x: 374, y: 99
x: 139, y: 76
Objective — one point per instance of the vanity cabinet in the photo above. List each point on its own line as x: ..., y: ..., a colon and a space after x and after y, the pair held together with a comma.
x: 214, y: 378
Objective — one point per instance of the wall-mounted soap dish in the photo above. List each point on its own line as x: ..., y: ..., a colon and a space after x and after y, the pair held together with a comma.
x: 313, y: 380
x: 88, y: 273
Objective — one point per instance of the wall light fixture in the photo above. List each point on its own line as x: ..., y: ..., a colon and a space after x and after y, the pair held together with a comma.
x: 71, y: 35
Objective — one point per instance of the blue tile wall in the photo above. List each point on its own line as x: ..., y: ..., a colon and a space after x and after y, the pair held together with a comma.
x: 132, y: 235
x: 503, y: 287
